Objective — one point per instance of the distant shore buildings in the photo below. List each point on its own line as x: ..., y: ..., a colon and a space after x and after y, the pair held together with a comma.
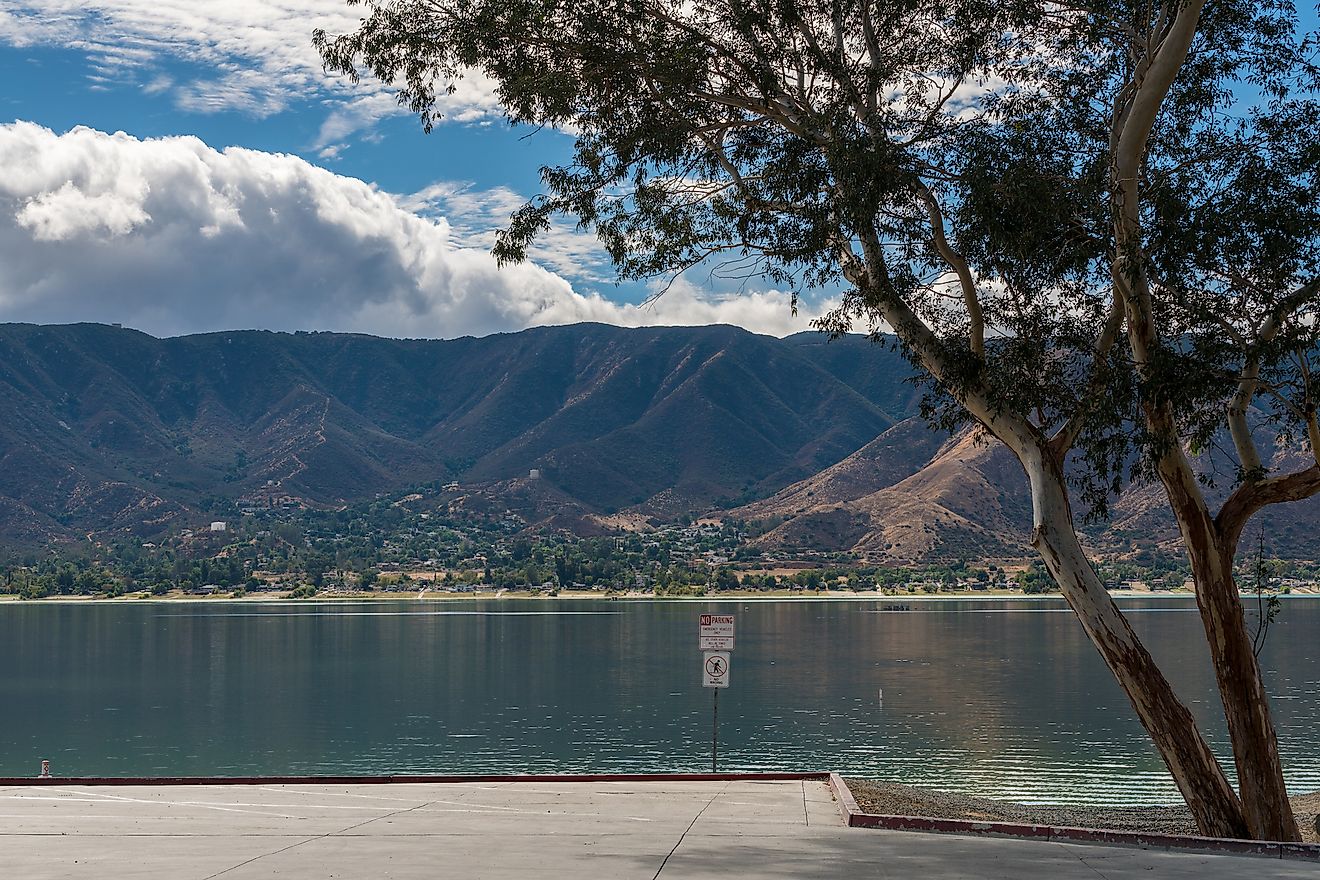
x: 268, y: 497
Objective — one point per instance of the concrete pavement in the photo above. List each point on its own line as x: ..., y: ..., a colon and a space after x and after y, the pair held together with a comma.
x: 525, y: 830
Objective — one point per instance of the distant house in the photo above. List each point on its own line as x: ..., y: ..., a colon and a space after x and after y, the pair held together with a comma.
x: 534, y: 474
x: 218, y: 526
x: 269, y: 497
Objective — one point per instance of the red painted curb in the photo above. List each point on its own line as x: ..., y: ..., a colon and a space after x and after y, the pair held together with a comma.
x: 843, y: 796
x: 855, y: 818
x: 410, y: 779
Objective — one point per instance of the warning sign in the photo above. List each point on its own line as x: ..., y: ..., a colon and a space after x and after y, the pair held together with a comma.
x: 715, y: 669
x: 715, y: 632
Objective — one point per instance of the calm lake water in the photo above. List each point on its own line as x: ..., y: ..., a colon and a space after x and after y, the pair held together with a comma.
x: 1004, y: 698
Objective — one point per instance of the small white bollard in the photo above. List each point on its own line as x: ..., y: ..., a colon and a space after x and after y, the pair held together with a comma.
x: 45, y: 769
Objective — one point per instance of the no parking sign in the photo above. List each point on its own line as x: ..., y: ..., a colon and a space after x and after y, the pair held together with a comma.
x: 715, y: 632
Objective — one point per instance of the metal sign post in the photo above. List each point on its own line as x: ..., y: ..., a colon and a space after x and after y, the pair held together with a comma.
x: 715, y: 637
x: 715, y: 731
x: 715, y: 668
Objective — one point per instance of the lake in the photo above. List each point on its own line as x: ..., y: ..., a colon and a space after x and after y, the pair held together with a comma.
x: 1003, y: 698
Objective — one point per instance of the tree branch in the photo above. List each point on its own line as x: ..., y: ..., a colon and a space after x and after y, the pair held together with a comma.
x: 1248, y: 454
x: 958, y: 263
x: 1067, y: 433
x: 1153, y: 87
x: 870, y: 276
x: 1283, y: 308
x: 1249, y: 498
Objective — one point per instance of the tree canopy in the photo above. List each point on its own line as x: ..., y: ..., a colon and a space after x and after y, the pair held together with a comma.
x: 1092, y: 225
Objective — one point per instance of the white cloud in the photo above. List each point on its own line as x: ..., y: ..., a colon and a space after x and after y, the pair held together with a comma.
x: 475, y: 216
x: 271, y: 38
x: 761, y: 311
x: 171, y: 236
x: 53, y: 215
x: 255, y: 56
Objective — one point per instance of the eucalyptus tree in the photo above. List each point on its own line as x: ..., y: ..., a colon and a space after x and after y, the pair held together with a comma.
x: 1090, y: 225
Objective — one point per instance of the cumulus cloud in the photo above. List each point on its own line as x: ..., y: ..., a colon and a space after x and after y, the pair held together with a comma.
x: 171, y: 236
x: 761, y: 311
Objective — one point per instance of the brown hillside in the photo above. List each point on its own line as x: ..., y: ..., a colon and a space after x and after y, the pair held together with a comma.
x: 966, y: 499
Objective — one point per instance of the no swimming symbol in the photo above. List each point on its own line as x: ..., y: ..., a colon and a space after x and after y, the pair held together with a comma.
x: 715, y: 669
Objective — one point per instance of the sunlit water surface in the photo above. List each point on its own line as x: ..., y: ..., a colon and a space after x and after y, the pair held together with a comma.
x: 1003, y: 698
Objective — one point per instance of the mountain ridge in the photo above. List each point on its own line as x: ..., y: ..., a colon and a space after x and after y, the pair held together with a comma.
x: 108, y: 430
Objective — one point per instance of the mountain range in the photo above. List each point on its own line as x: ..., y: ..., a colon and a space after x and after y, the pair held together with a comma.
x: 106, y: 431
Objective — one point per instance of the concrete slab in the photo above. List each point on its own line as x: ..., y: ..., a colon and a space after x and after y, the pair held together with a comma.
x: 131, y: 858
x: 819, y: 805
x: 627, y: 857
x: 644, y: 830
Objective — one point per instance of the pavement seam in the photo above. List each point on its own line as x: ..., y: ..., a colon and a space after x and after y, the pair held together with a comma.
x: 378, y: 818
x: 311, y: 839
x: 262, y: 856
x: 691, y: 825
x: 806, y: 816
x: 1097, y: 871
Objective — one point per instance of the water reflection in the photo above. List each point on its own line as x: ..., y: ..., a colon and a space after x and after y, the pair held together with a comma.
x: 1000, y: 698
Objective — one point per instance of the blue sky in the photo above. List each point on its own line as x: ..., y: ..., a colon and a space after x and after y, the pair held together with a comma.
x: 56, y: 92
x: 248, y: 189
x: 392, y: 240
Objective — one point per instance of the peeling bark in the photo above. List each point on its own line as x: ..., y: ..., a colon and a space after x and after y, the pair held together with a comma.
x: 1213, y: 803
x: 1211, y: 799
x: 1265, y: 801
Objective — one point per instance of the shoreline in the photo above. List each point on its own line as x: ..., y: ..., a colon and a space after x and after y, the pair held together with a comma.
x: 897, y: 799
x: 283, y: 597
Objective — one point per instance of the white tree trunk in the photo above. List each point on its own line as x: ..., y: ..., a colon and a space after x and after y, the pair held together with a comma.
x: 1171, y: 726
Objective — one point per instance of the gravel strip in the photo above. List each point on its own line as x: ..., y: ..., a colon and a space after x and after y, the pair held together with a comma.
x: 893, y: 799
